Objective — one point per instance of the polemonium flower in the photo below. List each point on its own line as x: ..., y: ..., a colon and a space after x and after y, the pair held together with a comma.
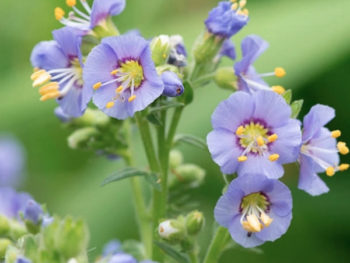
x: 33, y: 212
x: 227, y: 18
x: 254, y: 133
x: 12, y: 202
x: 247, y: 78
x: 87, y: 18
x: 11, y: 161
x: 111, y: 248
x: 59, y: 71
x: 255, y: 210
x: 319, y: 151
x: 228, y: 50
x: 123, y: 74
x: 122, y: 258
x: 173, y: 86
x: 61, y: 115
x: 23, y: 260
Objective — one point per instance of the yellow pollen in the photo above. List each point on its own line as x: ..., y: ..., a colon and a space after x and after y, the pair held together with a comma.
x: 280, y: 72
x: 49, y: 88
x: 233, y: 1
x: 260, y: 141
x: 164, y: 55
x: 343, y: 167
x: 97, y: 86
x: 342, y: 148
x: 336, y: 134
x: 114, y: 72
x: 119, y: 89
x: 272, y: 137
x: 245, y: 11
x: 41, y: 78
x: 59, y: 13
x: 247, y: 226
x: 274, y: 157
x: 234, y: 6
x: 132, y: 98
x: 71, y: 3
x: 254, y: 223
x: 242, y: 3
x: 37, y: 74
x: 266, y: 219
x: 240, y: 130
x: 110, y: 104
x: 161, y: 229
x: 51, y: 95
x: 330, y: 171
x: 278, y: 89
x: 242, y: 158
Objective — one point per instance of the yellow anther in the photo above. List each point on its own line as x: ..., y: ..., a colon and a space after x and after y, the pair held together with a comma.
x: 132, y: 98
x: 280, y: 72
x: 52, y: 95
x: 97, y: 85
x: 330, y: 171
x: 342, y: 148
x: 343, y: 167
x: 110, y: 104
x: 59, y: 13
x: 336, y: 134
x: 245, y: 11
x: 71, y: 3
x: 266, y: 219
x: 247, y: 226
x: 41, y: 78
x: 274, y: 157
x: 260, y: 141
x: 240, y: 130
x: 36, y: 74
x: 164, y: 55
x: 114, y: 72
x: 242, y: 158
x: 254, y: 223
x: 233, y: 1
x: 272, y: 137
x: 49, y: 88
x: 278, y: 89
x: 119, y: 89
x: 242, y: 3
x: 234, y: 6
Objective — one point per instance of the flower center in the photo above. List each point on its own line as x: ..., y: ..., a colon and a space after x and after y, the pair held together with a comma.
x: 254, y: 208
x: 132, y: 69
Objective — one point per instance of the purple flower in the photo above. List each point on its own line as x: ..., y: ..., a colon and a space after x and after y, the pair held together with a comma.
x: 255, y: 210
x: 33, y: 212
x: 123, y: 74
x: 89, y: 18
x: 11, y: 161
x: 227, y: 19
x: 111, y: 248
x: 59, y: 71
x: 61, y: 115
x: 12, y: 202
x: 228, y: 50
x: 23, y: 260
x: 319, y: 151
x: 254, y: 133
x: 247, y: 78
x: 122, y: 258
x: 178, y: 53
x: 173, y: 86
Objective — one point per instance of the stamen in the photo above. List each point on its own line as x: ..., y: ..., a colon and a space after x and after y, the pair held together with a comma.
x: 59, y: 13
x: 119, y: 89
x: 41, y: 78
x: 343, y: 149
x: 114, y: 72
x: 274, y: 157
x: 254, y: 222
x: 343, y: 167
x: 260, y: 141
x: 242, y: 3
x: 234, y: 6
x: 242, y: 158
x: 97, y: 85
x: 330, y: 171
x: 71, y: 3
x: 240, y: 130
x: 265, y: 219
x: 132, y: 98
x: 110, y: 105
x: 336, y: 134
x: 272, y: 137
x: 49, y: 88
x: 278, y: 89
x: 52, y: 95
x: 280, y: 72
x: 247, y: 226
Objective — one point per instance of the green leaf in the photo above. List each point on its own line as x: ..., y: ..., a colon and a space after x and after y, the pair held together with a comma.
x: 152, y: 179
x: 192, y: 140
x: 296, y: 107
x: 187, y: 96
x: 166, y: 105
x: 288, y: 96
x: 171, y: 252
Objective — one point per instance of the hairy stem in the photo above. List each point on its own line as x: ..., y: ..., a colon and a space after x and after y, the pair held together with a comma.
x: 217, y: 245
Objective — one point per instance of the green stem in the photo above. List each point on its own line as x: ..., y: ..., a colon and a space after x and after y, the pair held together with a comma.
x: 205, y: 78
x: 217, y: 245
x: 193, y: 257
x: 173, y: 126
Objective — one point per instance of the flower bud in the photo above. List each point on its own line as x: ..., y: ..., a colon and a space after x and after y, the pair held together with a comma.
x: 81, y: 137
x: 207, y: 47
x: 178, y: 53
x: 175, y: 159
x: 32, y: 216
x: 172, y: 230
x: 4, y: 243
x: 188, y: 174
x: 160, y: 47
x: 173, y: 86
x: 194, y: 222
x: 4, y: 225
x: 225, y: 78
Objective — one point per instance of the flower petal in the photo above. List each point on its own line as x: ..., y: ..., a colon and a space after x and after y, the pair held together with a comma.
x: 256, y: 164
x: 48, y: 55
x: 101, y: 9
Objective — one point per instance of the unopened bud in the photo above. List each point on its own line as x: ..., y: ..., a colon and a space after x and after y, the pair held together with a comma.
x: 225, y: 78
x: 175, y: 159
x: 33, y: 215
x: 194, y: 222
x: 160, y: 47
x: 207, y: 47
x: 4, y: 243
x: 172, y: 230
x: 189, y: 174
x: 4, y: 225
x: 81, y: 137
x: 173, y: 86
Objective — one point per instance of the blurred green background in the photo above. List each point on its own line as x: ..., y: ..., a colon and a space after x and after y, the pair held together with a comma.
x: 310, y: 39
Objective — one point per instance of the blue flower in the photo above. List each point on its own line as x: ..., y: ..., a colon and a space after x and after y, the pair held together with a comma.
x: 91, y: 16
x: 59, y: 71
x: 122, y: 258
x: 319, y: 151
x: 227, y: 18
x: 23, y: 260
x: 11, y: 161
x: 111, y: 248
x: 123, y: 74
x: 247, y: 78
x: 61, y: 115
x: 254, y: 133
x: 33, y: 212
x: 255, y: 210
x: 173, y: 86
x: 12, y: 202
x: 228, y: 50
